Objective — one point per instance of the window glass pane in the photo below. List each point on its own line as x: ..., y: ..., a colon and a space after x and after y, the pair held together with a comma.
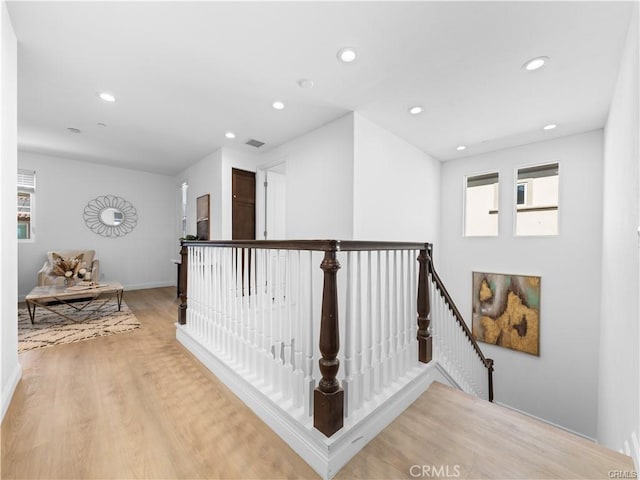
x: 522, y: 193
x: 481, y: 205
x: 537, y: 213
x: 26, y: 191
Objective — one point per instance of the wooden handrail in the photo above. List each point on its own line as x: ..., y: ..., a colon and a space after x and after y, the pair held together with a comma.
x: 316, y: 245
x: 456, y: 313
x: 488, y: 362
x: 329, y: 395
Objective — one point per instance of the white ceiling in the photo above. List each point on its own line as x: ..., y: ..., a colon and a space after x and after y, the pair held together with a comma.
x: 184, y: 73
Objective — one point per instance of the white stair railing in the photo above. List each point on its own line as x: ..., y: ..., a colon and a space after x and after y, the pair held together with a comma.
x: 252, y: 308
x: 454, y: 346
x: 379, y: 323
x: 270, y: 313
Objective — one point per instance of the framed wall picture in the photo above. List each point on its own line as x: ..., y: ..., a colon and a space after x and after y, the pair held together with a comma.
x: 506, y: 311
x: 202, y: 217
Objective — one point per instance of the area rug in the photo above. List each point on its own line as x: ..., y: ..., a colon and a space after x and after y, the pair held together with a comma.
x: 51, y: 329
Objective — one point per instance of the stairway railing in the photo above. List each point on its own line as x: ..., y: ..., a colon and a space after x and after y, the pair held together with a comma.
x: 262, y: 308
x: 457, y: 350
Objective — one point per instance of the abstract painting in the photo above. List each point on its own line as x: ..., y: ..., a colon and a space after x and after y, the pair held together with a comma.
x: 506, y: 311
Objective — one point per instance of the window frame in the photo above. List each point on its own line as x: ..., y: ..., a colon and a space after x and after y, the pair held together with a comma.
x: 495, y: 203
x: 528, y: 204
x: 31, y: 191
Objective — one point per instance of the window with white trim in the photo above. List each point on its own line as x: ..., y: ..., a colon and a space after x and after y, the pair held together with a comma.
x: 25, y: 203
x: 481, y: 205
x: 537, y: 191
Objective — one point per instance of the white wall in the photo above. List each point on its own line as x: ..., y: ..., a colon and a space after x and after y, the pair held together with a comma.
x: 10, y: 368
x: 319, y: 182
x: 560, y: 385
x: 618, y: 399
x: 212, y: 175
x: 203, y: 177
x: 141, y: 259
x: 396, y: 192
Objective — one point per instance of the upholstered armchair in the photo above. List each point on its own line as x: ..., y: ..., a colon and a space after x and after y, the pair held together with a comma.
x: 89, y: 262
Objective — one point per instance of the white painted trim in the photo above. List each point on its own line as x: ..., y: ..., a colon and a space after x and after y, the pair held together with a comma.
x: 144, y: 286
x: 568, y: 430
x: 9, y: 389
x: 449, y: 379
x: 325, y: 455
x: 635, y: 451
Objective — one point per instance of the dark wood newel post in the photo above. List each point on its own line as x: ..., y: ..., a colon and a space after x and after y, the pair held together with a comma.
x: 328, y: 397
x: 182, y: 286
x: 425, y: 349
x: 489, y: 364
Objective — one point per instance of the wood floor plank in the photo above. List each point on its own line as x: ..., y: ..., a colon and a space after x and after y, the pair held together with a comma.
x: 139, y: 405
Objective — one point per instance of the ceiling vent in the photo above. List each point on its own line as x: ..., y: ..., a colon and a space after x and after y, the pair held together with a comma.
x: 255, y: 143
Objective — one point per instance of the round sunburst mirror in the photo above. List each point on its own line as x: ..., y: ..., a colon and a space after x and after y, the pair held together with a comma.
x: 110, y: 216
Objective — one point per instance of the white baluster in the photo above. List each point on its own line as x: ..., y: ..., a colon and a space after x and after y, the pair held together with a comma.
x: 386, y: 334
x: 229, y: 297
x: 378, y: 344
x: 347, y: 383
x: 413, y: 303
x: 358, y: 377
x: 246, y: 313
x: 261, y: 285
x: 279, y: 332
x: 404, y: 304
x: 309, y: 381
x: 272, y: 375
x: 253, y: 309
x: 298, y: 374
x: 207, y: 293
x: 369, y: 334
x: 288, y: 335
x: 393, y: 317
x: 218, y: 299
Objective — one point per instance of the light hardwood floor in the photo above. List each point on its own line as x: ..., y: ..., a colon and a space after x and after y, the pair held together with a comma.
x: 138, y: 405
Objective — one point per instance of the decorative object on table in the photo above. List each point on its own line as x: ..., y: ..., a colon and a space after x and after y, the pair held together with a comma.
x: 506, y: 311
x: 202, y: 217
x: 189, y: 238
x: 110, y: 216
x: 52, y: 329
x: 52, y: 274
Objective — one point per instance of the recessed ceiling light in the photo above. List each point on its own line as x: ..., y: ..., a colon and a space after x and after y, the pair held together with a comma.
x: 278, y: 105
x: 305, y: 83
x: 535, y: 63
x: 461, y: 147
x: 415, y: 110
x: 107, y: 97
x: 230, y: 135
x: 551, y: 126
x: 73, y: 130
x: 347, y: 55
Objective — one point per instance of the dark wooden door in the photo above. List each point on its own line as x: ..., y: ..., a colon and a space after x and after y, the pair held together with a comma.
x: 243, y: 206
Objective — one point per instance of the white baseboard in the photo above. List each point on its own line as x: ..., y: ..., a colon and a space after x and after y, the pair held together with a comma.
x: 9, y: 389
x: 635, y: 451
x: 144, y: 286
x: 132, y: 286
x: 632, y: 449
x: 568, y: 430
x: 325, y: 455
